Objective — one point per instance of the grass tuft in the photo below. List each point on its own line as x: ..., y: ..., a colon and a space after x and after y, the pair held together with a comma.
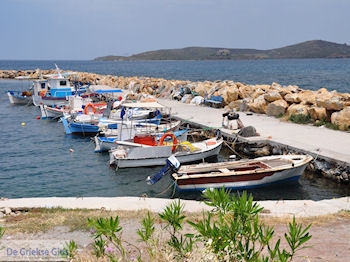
x: 300, y: 119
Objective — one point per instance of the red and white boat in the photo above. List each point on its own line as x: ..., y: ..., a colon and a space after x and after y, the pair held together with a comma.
x: 241, y: 174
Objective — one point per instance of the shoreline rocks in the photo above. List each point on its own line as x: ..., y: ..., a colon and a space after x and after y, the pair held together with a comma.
x: 274, y: 99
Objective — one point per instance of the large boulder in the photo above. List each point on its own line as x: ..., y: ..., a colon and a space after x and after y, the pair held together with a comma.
x: 202, y: 89
x: 258, y: 92
x: 235, y: 104
x: 307, y: 97
x: 258, y: 105
x: 231, y: 95
x: 297, y: 109
x: 245, y: 91
x: 272, y: 96
x: 292, y: 98
x: 277, y: 108
x: 330, y: 102
x: 342, y: 119
x: 318, y: 113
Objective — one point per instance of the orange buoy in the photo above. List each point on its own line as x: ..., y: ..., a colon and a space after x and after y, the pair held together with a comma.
x: 38, y: 117
x: 173, y: 137
x: 89, y: 105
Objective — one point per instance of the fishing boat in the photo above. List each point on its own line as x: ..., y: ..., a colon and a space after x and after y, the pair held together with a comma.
x: 76, y: 104
x: 145, y: 155
x: 242, y: 174
x: 20, y: 97
x: 55, y: 90
x: 51, y: 112
x: 86, y: 125
x: 104, y: 144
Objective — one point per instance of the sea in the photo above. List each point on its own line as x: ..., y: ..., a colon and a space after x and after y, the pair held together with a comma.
x: 36, y: 158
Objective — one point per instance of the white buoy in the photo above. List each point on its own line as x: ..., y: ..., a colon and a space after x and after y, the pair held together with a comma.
x: 233, y: 156
x: 71, y: 150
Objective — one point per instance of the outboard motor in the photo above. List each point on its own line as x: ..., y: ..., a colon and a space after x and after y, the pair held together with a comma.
x: 171, y: 167
x: 218, y: 133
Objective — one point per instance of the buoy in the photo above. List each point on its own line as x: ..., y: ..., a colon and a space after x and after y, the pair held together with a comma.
x: 269, y: 137
x: 71, y: 150
x: 38, y: 117
x: 23, y: 124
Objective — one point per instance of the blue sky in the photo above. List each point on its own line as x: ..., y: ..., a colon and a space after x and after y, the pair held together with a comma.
x: 84, y: 29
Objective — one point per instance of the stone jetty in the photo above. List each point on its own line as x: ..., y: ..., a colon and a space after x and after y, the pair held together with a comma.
x: 320, y: 107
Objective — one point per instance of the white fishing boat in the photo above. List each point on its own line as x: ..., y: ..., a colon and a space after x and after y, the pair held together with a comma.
x: 76, y: 104
x: 51, y: 112
x: 55, y: 90
x: 242, y: 174
x: 157, y: 155
x: 20, y: 97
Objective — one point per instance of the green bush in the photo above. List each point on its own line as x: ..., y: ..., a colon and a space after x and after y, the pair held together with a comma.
x: 301, y: 119
x: 233, y: 231
x: 327, y: 124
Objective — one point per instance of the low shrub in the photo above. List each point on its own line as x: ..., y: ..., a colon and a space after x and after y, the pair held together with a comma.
x: 232, y: 231
x: 300, y: 119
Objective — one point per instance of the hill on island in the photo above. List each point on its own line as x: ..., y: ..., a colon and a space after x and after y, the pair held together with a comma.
x: 308, y: 49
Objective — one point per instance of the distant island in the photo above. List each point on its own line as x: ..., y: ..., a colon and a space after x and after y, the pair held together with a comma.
x: 308, y: 49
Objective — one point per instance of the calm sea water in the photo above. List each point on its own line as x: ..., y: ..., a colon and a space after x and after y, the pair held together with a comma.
x: 333, y: 74
x: 35, y: 160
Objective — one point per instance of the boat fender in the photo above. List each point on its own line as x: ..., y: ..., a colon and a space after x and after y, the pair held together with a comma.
x: 172, y: 166
x: 89, y: 105
x: 173, y: 137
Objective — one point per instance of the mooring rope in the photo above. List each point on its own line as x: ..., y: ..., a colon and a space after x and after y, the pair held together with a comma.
x: 232, y: 149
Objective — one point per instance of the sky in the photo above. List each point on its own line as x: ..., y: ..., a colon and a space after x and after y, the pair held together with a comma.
x: 85, y: 29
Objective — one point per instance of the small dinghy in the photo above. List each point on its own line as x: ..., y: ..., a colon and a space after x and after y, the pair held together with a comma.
x: 242, y: 174
x: 20, y: 97
x: 144, y: 155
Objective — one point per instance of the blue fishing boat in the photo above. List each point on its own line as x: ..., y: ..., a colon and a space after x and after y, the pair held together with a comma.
x: 83, y: 128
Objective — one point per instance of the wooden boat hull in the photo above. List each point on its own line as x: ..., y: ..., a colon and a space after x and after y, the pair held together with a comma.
x: 245, y: 180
